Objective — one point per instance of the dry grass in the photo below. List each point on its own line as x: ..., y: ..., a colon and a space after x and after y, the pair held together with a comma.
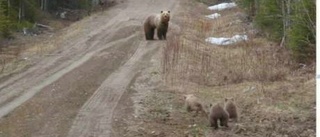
x: 253, y: 60
x: 275, y: 97
x: 17, y: 55
x: 14, y: 54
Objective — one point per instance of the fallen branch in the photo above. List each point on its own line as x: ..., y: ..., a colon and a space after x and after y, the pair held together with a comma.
x: 44, y: 26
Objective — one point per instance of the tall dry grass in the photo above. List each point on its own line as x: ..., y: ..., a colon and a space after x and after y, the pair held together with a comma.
x: 188, y: 57
x: 275, y: 95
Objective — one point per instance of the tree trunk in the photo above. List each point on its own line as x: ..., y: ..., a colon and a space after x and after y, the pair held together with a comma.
x: 20, y: 11
x: 257, y: 6
x: 284, y: 9
x: 9, y: 6
x: 288, y: 23
x: 41, y: 4
x: 44, y: 5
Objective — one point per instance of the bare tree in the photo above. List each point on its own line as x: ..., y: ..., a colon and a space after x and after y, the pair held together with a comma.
x: 21, y: 10
x: 44, y: 5
x: 286, y: 20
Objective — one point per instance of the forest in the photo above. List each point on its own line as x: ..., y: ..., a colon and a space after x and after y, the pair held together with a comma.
x: 17, y: 14
x: 291, y: 23
x: 85, y: 68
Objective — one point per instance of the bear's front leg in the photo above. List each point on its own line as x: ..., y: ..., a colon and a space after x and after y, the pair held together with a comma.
x: 159, y: 33
x: 164, y: 33
x: 165, y: 36
x: 150, y: 34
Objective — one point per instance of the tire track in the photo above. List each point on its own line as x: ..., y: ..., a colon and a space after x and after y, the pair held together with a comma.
x: 95, y: 117
x: 7, y: 108
x: 24, y: 86
x: 29, y: 96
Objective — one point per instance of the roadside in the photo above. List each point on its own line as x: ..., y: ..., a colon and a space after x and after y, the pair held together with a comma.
x: 99, y: 77
x: 20, y: 51
x: 89, y: 67
x: 275, y: 96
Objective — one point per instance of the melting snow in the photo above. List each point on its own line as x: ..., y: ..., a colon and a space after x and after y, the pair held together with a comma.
x: 222, y: 6
x: 226, y: 41
x: 213, y: 16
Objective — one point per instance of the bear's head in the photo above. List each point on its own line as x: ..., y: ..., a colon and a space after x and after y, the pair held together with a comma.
x: 165, y: 16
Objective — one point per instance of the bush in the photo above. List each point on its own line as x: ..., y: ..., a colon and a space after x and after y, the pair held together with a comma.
x: 302, y: 35
x: 292, y: 20
x: 32, y: 11
x: 269, y: 19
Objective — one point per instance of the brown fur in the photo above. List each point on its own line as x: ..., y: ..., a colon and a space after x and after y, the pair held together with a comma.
x: 193, y: 104
x: 159, y: 22
x: 231, y: 108
x: 218, y: 113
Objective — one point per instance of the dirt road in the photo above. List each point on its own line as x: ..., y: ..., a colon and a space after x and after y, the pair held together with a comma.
x: 74, y: 91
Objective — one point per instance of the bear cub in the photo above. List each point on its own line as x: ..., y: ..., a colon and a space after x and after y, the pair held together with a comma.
x: 218, y: 113
x: 231, y: 108
x: 193, y: 104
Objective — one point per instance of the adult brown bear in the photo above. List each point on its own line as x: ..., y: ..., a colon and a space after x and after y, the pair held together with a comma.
x: 159, y: 22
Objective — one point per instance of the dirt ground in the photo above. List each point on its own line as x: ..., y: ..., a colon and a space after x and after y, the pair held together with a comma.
x: 99, y: 77
x: 275, y: 97
x: 73, y: 86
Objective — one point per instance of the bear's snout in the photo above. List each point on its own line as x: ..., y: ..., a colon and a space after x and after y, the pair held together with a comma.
x: 166, y: 17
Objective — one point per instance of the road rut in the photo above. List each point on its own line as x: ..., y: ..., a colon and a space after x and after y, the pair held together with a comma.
x: 75, y: 91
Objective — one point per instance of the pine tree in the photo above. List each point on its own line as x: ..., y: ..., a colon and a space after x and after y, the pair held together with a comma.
x: 302, y: 35
x: 291, y: 22
x: 269, y: 18
x: 4, y: 20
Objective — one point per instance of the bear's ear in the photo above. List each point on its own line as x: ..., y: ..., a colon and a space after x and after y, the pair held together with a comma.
x: 225, y: 99
x: 168, y: 11
x: 161, y: 12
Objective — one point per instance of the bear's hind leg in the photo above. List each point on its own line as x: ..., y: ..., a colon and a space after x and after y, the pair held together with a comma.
x: 224, y: 122
x: 214, y: 123
x: 149, y: 34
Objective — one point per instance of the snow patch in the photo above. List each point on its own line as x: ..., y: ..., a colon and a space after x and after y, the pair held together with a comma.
x: 226, y: 41
x: 222, y: 6
x: 213, y: 16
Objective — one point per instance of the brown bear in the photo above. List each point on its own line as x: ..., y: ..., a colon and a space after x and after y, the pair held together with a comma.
x: 193, y: 104
x: 231, y: 108
x: 159, y: 22
x: 218, y: 113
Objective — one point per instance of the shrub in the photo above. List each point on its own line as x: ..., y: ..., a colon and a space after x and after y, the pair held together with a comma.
x: 294, y: 21
x: 302, y: 35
